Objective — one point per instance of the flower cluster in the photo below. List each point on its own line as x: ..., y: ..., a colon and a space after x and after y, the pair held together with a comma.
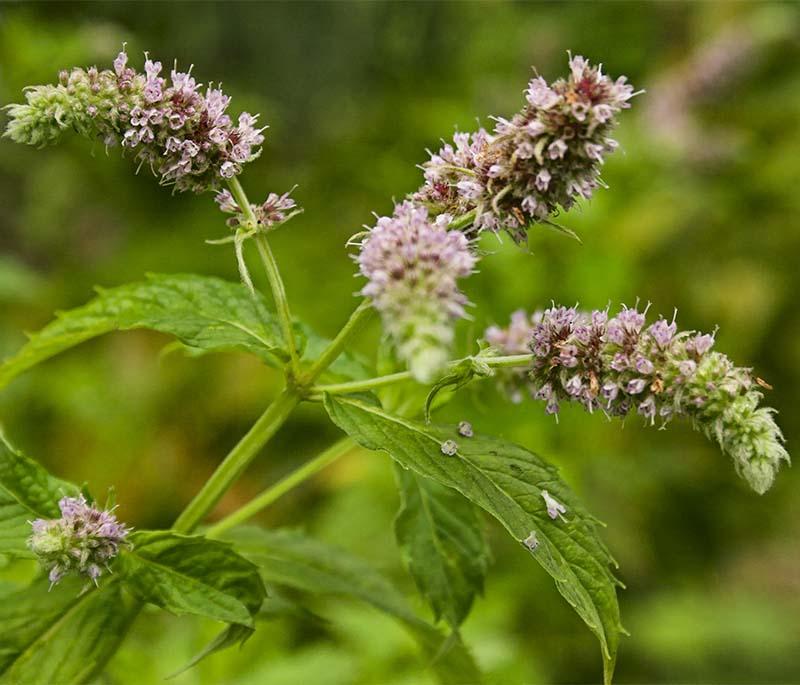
x: 528, y: 168
x: 621, y: 364
x: 182, y: 133
x: 275, y: 210
x: 514, y: 339
x: 413, y: 265
x: 554, y: 508
x: 83, y: 541
x: 542, y: 159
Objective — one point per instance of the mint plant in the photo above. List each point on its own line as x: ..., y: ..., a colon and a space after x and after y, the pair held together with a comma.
x: 98, y: 573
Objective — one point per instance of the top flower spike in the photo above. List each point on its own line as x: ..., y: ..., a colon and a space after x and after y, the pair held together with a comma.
x: 184, y: 135
x: 530, y: 167
x: 543, y: 158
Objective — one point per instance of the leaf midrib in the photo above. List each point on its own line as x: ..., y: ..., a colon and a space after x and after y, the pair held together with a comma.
x: 69, y: 610
x: 439, y: 548
x: 196, y: 581
x: 412, y: 427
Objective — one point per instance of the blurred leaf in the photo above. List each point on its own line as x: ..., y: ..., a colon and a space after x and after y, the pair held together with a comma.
x: 186, y: 574
x: 202, y: 312
x: 442, y: 543
x: 347, y: 366
x: 291, y: 559
x: 61, y: 636
x: 18, y: 283
x: 27, y: 492
x: 506, y: 480
x: 231, y: 635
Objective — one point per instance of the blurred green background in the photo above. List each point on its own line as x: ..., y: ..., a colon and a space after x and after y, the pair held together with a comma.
x: 702, y: 215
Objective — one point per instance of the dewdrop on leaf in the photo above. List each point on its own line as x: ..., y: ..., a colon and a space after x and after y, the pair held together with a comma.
x: 465, y: 429
x: 449, y: 448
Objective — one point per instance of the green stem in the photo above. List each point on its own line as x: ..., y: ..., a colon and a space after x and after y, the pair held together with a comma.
x: 281, y: 302
x: 462, y: 221
x: 337, y: 345
x: 274, y: 492
x: 237, y: 461
x: 380, y: 381
x: 273, y: 274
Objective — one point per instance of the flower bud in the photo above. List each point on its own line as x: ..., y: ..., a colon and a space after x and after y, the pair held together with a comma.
x: 82, y: 542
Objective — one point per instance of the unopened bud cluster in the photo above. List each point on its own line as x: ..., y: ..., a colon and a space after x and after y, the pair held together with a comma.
x: 182, y: 133
x: 413, y: 265
x: 275, y: 210
x: 82, y: 542
x: 536, y: 163
x: 620, y: 365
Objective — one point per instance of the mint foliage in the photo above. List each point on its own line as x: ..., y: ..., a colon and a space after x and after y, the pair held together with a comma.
x: 27, y: 492
x: 290, y: 559
x: 443, y: 545
x: 65, y: 636
x: 507, y: 481
x: 205, y: 314
x: 189, y: 574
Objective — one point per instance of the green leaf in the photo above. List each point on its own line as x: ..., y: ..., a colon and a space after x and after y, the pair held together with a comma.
x: 231, y: 635
x: 290, y: 559
x: 443, y: 545
x: 61, y: 636
x: 189, y: 574
x: 202, y: 312
x: 346, y: 367
x: 272, y: 607
x: 460, y: 375
x: 27, y: 492
x: 507, y: 481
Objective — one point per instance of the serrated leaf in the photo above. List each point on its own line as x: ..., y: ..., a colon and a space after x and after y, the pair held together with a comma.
x: 61, y: 636
x: 202, y: 312
x: 290, y: 559
x: 272, y: 607
x: 27, y: 492
x: 189, y: 574
x: 443, y: 545
x: 507, y: 481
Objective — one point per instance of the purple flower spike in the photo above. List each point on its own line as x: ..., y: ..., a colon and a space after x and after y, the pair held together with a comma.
x: 663, y: 332
x: 183, y: 136
x: 413, y: 266
x: 618, y: 365
x: 540, y: 161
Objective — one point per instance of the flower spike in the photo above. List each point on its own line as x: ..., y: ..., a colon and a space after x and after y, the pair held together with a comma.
x: 183, y: 135
x: 621, y: 365
x: 538, y: 162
